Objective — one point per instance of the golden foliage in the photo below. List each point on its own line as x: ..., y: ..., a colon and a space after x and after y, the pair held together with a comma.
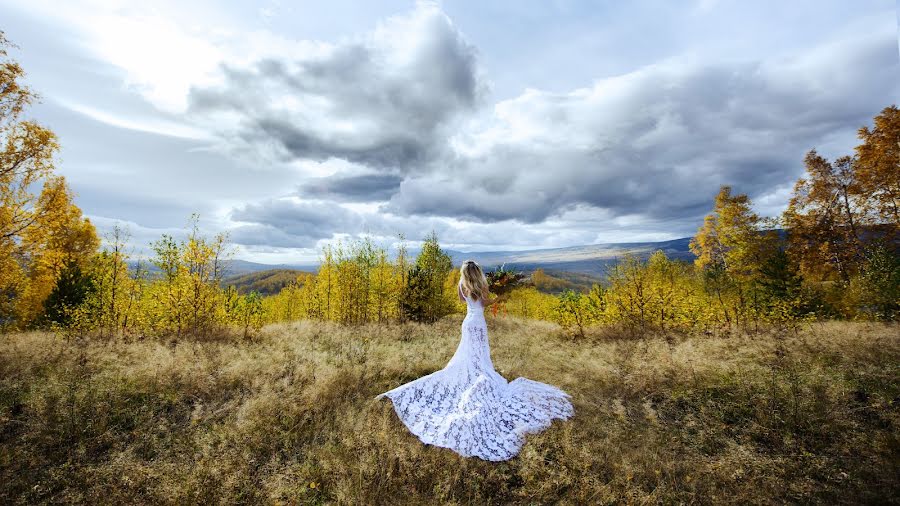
x: 356, y: 283
x: 878, y: 166
x: 58, y: 236
x: 267, y: 282
x: 187, y: 299
x: 823, y: 219
x: 39, y: 234
x: 531, y: 303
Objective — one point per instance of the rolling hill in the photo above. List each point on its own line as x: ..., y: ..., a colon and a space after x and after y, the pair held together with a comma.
x: 234, y: 268
x: 266, y: 282
x: 590, y: 260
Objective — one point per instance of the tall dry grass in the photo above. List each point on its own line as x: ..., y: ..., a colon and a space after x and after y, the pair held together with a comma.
x: 289, y: 418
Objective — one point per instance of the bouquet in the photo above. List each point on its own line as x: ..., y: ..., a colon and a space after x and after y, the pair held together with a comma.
x: 502, y: 281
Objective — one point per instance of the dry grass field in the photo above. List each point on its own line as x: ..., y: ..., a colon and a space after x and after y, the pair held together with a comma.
x: 811, y: 417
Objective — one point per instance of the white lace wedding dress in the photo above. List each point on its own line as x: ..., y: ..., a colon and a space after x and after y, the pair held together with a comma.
x: 470, y: 408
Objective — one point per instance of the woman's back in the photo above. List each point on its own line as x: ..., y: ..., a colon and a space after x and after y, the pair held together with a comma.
x: 473, y: 306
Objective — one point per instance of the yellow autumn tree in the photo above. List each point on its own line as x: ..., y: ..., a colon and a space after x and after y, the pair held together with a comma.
x: 58, y: 237
x: 383, y: 289
x: 842, y: 213
x: 186, y: 299
x: 529, y: 302
x: 878, y: 168
x: 824, y: 217
x: 115, y: 306
x: 40, y: 233
x: 357, y: 283
x: 289, y: 303
x: 731, y: 246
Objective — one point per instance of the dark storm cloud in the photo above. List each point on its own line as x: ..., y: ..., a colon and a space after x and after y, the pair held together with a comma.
x: 381, y: 101
x: 265, y: 235
x: 660, y: 141
x: 304, y: 220
x: 290, y: 222
x: 396, y: 150
x: 352, y: 188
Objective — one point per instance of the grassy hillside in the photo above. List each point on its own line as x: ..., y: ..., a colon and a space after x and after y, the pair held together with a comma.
x: 289, y: 417
x: 267, y: 282
x: 554, y: 282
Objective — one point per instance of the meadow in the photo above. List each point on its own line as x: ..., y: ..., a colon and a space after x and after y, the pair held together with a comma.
x: 287, y: 417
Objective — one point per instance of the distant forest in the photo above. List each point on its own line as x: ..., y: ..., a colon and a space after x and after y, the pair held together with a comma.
x: 268, y: 282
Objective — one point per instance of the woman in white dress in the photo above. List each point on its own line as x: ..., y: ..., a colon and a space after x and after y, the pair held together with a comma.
x: 467, y: 406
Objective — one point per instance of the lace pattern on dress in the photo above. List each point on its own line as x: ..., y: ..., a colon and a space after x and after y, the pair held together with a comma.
x: 470, y: 408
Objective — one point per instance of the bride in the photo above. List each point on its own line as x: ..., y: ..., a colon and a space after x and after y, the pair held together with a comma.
x: 467, y: 406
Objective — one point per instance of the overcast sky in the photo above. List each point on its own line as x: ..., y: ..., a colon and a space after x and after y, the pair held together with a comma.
x: 499, y: 125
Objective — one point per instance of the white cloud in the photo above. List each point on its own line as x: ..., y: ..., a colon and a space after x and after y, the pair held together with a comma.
x: 385, y: 99
x: 658, y: 141
x: 149, y: 125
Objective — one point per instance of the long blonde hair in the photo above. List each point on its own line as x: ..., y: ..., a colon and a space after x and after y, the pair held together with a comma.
x: 472, y: 280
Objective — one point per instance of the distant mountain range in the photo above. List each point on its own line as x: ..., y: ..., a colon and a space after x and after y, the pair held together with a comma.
x: 589, y: 259
x: 240, y: 267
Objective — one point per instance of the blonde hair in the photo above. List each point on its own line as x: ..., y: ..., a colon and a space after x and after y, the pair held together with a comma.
x: 472, y: 280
